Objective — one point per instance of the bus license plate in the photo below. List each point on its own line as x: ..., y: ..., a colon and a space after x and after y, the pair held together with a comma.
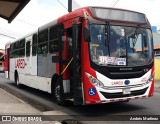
x: 126, y: 91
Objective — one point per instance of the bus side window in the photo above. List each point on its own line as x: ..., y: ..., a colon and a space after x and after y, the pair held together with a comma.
x: 54, y: 39
x: 12, y: 52
x: 39, y: 50
x: 22, y: 47
x: 45, y: 48
x: 28, y: 48
x: 43, y: 42
x: 34, y: 45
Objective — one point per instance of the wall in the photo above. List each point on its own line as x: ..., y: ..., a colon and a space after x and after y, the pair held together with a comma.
x: 157, y: 68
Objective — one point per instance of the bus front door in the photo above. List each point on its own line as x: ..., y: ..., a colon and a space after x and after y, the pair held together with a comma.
x: 7, y: 62
x: 76, y: 84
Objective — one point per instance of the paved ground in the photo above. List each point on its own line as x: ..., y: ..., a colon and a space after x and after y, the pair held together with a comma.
x: 16, y: 108
x: 10, y: 104
x: 157, y: 84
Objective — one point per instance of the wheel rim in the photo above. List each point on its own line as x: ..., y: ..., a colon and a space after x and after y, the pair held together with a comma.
x: 17, y: 81
x: 57, y: 92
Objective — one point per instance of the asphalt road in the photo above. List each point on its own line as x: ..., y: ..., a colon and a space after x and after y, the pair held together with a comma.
x: 90, y: 114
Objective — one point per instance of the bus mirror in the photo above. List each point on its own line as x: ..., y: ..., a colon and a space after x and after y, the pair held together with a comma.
x: 86, y: 34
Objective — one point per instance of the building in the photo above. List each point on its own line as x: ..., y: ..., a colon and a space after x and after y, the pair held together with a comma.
x: 154, y: 29
x: 9, y: 9
x: 156, y: 39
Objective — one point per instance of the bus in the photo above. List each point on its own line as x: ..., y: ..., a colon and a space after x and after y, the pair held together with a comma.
x: 1, y: 60
x: 7, y: 59
x: 1, y: 66
x: 93, y: 55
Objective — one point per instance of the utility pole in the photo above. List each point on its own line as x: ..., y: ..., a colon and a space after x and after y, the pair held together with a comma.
x: 69, y: 5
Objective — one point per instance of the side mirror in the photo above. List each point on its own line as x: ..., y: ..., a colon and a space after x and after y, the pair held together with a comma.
x: 86, y: 34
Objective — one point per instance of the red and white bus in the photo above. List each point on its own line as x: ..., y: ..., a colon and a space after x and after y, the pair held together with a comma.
x: 1, y: 60
x: 92, y: 55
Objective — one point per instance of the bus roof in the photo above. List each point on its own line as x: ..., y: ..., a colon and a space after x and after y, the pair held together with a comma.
x: 114, y: 14
x: 138, y: 17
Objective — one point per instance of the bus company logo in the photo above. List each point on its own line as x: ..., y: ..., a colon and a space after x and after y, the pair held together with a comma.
x: 117, y: 83
x: 20, y: 63
x: 126, y: 82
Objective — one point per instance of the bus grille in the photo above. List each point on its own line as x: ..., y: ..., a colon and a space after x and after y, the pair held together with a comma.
x: 120, y: 95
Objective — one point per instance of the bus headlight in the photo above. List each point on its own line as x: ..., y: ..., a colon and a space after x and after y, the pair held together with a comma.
x: 94, y: 81
x: 150, y: 78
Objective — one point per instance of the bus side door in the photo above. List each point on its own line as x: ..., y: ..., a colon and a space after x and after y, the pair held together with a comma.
x: 76, y: 82
x: 28, y: 62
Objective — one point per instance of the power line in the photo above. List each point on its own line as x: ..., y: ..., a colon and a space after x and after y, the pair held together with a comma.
x: 5, y: 35
x: 2, y: 30
x: 62, y: 5
x: 111, y: 4
x: 115, y: 3
x: 26, y: 22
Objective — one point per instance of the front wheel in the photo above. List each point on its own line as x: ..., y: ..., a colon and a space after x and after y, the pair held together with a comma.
x: 58, y: 96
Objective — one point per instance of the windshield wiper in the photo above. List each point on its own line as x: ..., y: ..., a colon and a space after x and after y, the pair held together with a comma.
x: 135, y: 35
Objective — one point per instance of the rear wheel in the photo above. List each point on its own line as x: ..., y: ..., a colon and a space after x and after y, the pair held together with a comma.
x: 57, y: 94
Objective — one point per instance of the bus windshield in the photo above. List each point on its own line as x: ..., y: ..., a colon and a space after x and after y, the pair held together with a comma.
x: 120, y: 45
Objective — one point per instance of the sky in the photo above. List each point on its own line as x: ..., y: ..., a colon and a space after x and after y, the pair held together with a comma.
x: 40, y: 12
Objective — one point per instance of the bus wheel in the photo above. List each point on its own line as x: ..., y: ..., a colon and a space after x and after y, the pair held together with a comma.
x: 57, y: 94
x: 17, y: 80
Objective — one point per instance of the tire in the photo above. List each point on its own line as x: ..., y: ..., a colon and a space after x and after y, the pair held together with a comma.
x: 17, y: 81
x: 60, y: 100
